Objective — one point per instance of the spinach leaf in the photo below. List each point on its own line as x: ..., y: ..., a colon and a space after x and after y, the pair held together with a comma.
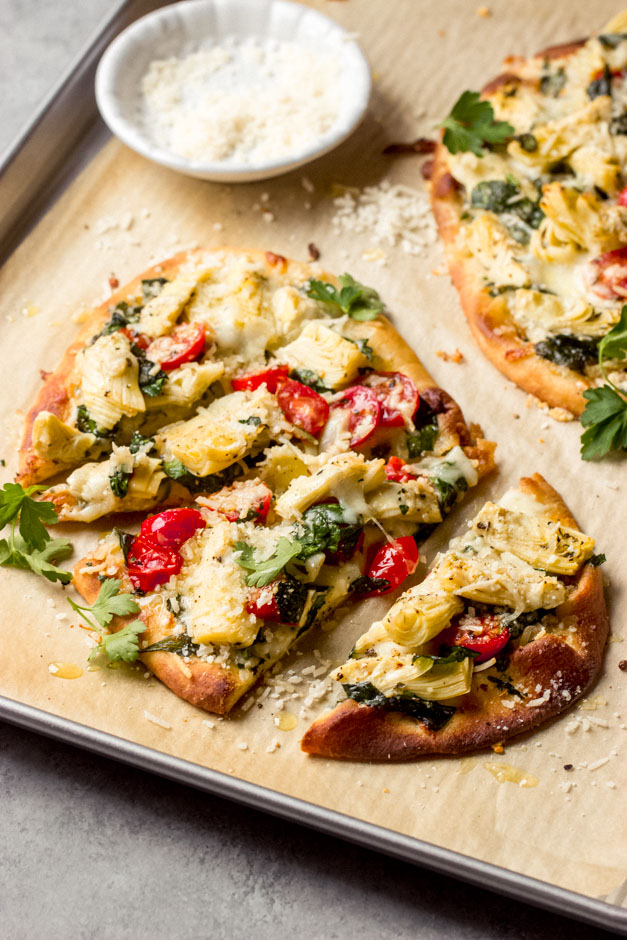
x: 597, y: 560
x: 150, y: 379
x: 574, y: 352
x: 551, y: 83
x: 291, y: 597
x: 612, y: 40
x: 121, y: 315
x: 119, y: 480
x: 310, y: 378
x: 448, y: 492
x: 138, y: 442
x: 365, y: 585
x: 209, y: 484
x: 528, y: 142
x: 432, y: 714
x: 253, y: 420
x: 500, y: 196
x: 125, y: 539
x: 153, y: 286
x: 85, y: 423
x: 312, y: 613
x: 422, y: 440
x: 505, y: 686
x: 600, y: 86
x: 324, y: 529
x: 449, y: 654
x: 181, y: 643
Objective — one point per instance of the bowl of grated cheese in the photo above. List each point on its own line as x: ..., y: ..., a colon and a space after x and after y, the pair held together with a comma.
x: 233, y: 90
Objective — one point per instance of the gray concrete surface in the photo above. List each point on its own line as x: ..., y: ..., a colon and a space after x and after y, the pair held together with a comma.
x: 94, y: 849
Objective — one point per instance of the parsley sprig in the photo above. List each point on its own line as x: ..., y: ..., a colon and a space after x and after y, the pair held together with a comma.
x: 29, y: 545
x: 471, y: 124
x: 355, y: 299
x: 605, y: 414
x: 263, y: 572
x: 122, y: 645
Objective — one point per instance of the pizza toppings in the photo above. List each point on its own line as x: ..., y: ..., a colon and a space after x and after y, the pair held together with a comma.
x: 397, y: 395
x: 484, y: 635
x: 303, y: 406
x: 269, y: 377
x: 149, y: 564
x: 361, y: 411
x: 393, y: 563
x: 172, y: 527
x: 471, y: 125
x: 186, y: 343
x: 245, y: 501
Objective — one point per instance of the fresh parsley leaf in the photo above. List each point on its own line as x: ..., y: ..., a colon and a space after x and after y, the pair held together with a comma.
x: 108, y: 604
x: 16, y: 501
x: 263, y: 572
x: 123, y: 645
x: 605, y: 414
x: 20, y: 555
x: 614, y: 344
x: 355, y: 299
x: 471, y: 124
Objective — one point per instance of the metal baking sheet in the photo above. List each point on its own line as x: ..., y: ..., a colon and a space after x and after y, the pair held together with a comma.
x: 61, y: 140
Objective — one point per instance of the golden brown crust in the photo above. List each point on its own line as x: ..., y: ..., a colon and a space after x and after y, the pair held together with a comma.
x: 489, y: 319
x: 563, y: 666
x: 209, y: 686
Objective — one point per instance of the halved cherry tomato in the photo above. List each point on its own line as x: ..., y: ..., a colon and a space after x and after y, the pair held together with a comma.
x: 137, y: 339
x: 263, y: 604
x: 398, y: 397
x: 170, y: 528
x: 186, y: 343
x: 364, y: 409
x: 606, y: 276
x: 247, y: 500
x: 303, y: 406
x: 149, y: 565
x: 485, y: 635
x: 396, y: 472
x: 252, y: 380
x: 622, y: 197
x: 394, y: 561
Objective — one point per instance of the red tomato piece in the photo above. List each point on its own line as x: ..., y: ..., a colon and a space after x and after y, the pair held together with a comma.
x: 616, y: 73
x: 137, y: 339
x: 396, y: 472
x: 263, y: 604
x: 622, y: 197
x: 394, y: 561
x: 149, y: 565
x: 485, y: 635
x: 398, y: 396
x: 364, y: 410
x: 606, y: 276
x: 242, y: 501
x: 303, y: 406
x: 252, y: 380
x: 186, y: 343
x: 170, y: 528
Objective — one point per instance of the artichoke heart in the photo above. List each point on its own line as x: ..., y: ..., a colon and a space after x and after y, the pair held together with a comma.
x: 421, y: 613
x: 321, y: 350
x: 159, y: 315
x: 345, y: 476
x: 186, y: 385
x: 109, y: 380
x: 542, y: 543
x: 500, y: 579
x: 404, y: 673
x: 54, y: 440
x: 220, y: 434
x: 414, y: 501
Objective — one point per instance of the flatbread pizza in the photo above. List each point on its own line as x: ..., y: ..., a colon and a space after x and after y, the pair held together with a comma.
x: 505, y: 632
x: 528, y: 190
x: 294, y: 449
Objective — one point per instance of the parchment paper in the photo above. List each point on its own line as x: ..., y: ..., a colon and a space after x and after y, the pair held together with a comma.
x: 123, y: 213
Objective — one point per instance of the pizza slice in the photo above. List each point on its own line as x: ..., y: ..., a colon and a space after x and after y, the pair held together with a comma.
x: 506, y: 631
x: 528, y: 190
x: 183, y: 381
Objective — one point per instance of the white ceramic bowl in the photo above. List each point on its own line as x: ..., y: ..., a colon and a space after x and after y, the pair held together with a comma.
x: 179, y: 29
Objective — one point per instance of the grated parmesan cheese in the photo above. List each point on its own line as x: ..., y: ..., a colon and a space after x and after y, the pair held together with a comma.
x: 244, y: 102
x: 389, y: 214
